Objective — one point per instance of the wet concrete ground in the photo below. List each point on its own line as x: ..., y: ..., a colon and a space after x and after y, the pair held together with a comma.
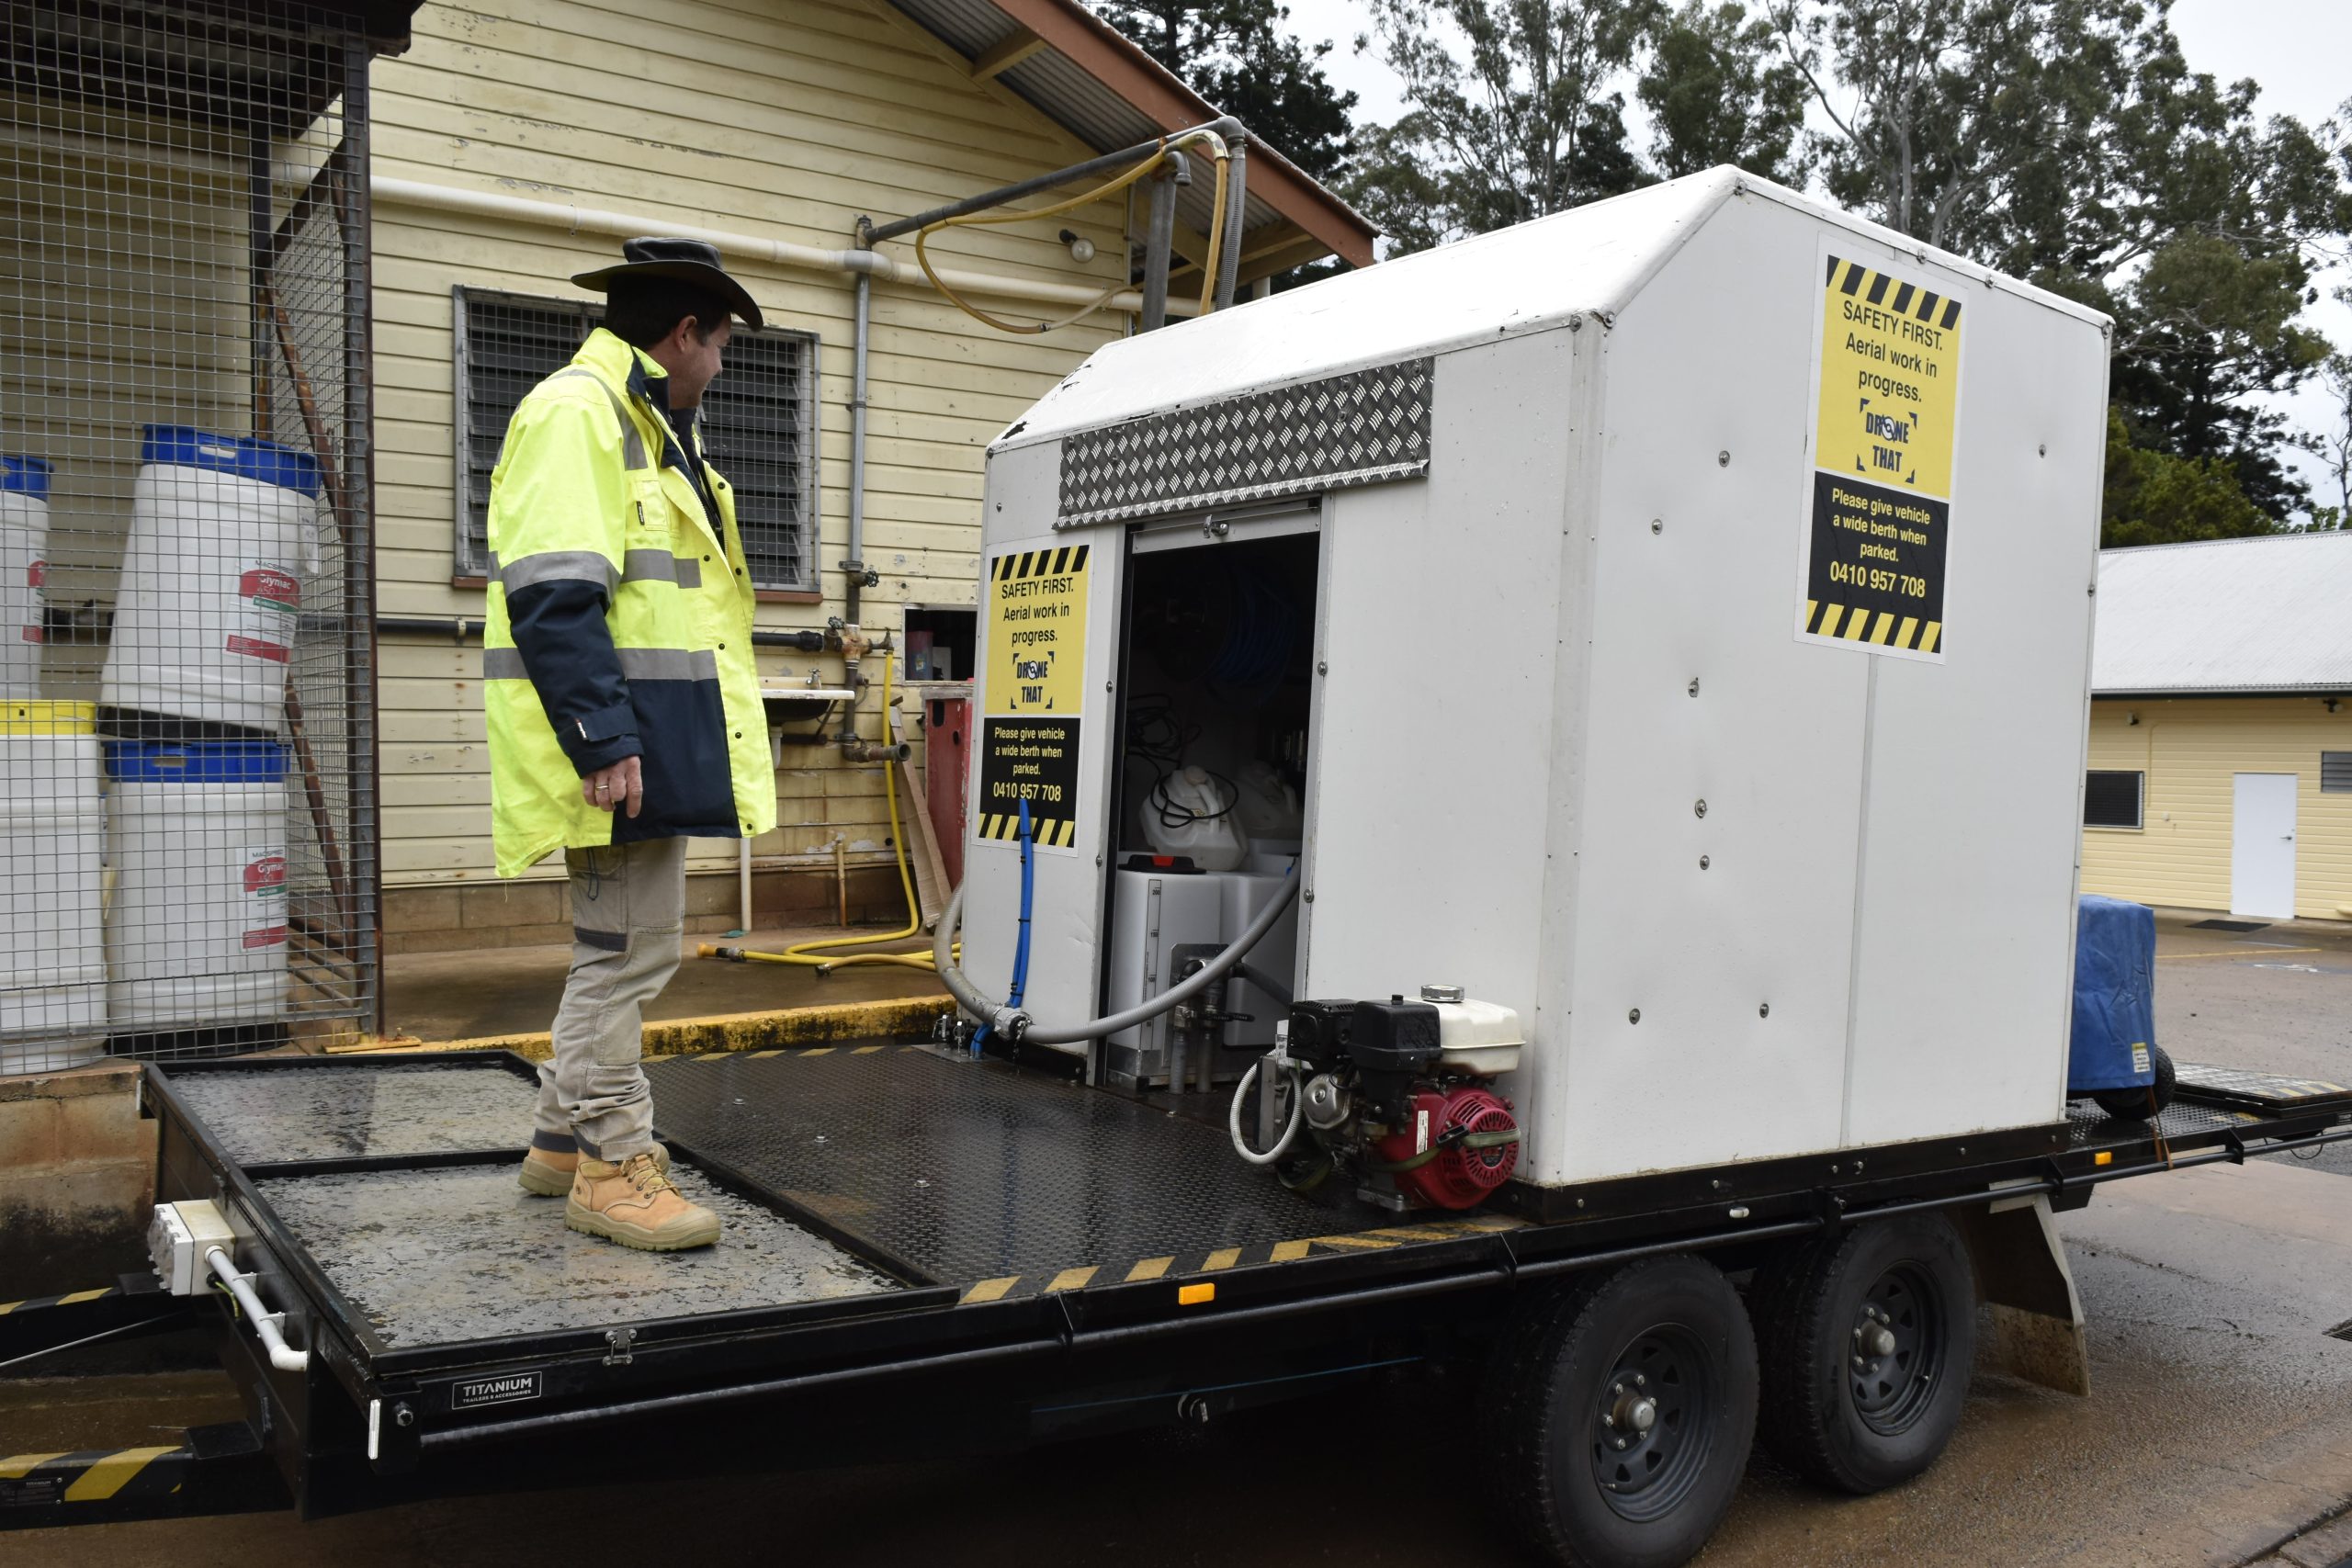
x: 514, y: 990
x: 2219, y: 1431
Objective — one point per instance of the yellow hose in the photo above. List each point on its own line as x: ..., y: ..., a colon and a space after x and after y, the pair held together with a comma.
x: 1110, y: 187
x: 804, y: 952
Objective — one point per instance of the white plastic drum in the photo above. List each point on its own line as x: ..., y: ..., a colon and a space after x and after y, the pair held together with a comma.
x: 52, y: 852
x: 221, y: 528
x: 24, y: 545
x: 196, y: 938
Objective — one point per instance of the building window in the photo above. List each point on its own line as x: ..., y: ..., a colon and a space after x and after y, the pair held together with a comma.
x: 2112, y: 799
x: 2336, y: 773
x: 759, y: 423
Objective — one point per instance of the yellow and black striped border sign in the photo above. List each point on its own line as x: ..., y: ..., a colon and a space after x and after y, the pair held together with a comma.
x: 1195, y: 1266
x: 1054, y: 832
x: 1055, y: 561
x: 1873, y: 287
x: 72, y: 1298
x: 1861, y: 625
x: 91, y: 1475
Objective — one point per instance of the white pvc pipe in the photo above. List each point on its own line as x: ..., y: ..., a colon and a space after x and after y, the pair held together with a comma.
x: 776, y: 253
x: 267, y: 1324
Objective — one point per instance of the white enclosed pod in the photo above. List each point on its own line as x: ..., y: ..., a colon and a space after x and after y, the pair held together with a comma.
x: 197, y: 934
x: 24, y: 564
x: 221, y: 530
x: 53, y: 862
x: 1700, y: 634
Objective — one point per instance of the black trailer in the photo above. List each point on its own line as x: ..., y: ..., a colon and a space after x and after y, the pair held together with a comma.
x: 926, y: 1249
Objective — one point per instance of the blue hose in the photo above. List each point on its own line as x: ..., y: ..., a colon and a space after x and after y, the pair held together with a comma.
x: 1021, y: 949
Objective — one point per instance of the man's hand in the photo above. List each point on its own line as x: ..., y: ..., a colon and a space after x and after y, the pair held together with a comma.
x: 607, y: 788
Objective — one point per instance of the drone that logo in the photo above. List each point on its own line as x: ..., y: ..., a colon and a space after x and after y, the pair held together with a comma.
x: 1029, y: 678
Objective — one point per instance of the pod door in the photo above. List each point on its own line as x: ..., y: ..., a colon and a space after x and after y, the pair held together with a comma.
x: 1216, y: 654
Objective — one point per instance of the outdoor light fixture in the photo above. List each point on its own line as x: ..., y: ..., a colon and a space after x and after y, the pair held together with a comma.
x: 1082, y: 249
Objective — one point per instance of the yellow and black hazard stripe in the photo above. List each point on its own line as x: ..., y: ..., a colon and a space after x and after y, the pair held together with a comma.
x: 1882, y: 627
x: 1055, y: 832
x: 92, y: 1475
x: 1179, y: 1269
x: 1892, y: 294
x: 72, y: 1298
x: 1053, y: 562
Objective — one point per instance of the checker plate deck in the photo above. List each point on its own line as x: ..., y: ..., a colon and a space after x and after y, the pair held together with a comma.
x: 966, y: 1172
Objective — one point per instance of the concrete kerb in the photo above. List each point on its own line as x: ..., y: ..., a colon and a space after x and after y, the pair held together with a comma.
x: 888, y: 1019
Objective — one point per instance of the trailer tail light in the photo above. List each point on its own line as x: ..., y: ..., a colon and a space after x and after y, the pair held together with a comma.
x: 1196, y: 1295
x: 2105, y: 1156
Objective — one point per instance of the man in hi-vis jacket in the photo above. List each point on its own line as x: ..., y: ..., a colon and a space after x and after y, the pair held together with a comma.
x: 624, y: 709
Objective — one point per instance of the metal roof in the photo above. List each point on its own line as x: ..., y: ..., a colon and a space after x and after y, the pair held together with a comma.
x: 1116, y: 96
x: 1526, y: 279
x: 2269, y: 614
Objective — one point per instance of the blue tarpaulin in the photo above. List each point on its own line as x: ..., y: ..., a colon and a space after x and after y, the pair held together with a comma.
x: 2115, y: 995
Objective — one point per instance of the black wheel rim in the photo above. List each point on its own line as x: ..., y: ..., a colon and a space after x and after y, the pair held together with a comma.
x: 1895, y: 1350
x: 1653, y: 1427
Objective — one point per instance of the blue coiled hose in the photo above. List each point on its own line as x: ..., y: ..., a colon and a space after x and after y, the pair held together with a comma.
x: 1021, y: 948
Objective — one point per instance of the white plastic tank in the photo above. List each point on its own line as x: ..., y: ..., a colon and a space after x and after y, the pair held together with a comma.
x: 196, y: 934
x: 53, y: 854
x: 1191, y: 812
x: 24, y: 548
x: 220, y: 529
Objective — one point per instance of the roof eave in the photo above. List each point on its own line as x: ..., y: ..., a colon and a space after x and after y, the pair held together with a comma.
x: 1105, y: 53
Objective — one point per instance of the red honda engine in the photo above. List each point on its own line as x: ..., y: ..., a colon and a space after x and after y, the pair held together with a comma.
x: 1383, y: 1091
x: 1458, y: 1144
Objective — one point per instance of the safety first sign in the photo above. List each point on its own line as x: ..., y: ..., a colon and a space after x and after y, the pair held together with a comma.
x: 1878, y: 516
x: 1036, y: 682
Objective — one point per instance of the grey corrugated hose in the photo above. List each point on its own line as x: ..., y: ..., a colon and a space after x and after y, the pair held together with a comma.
x: 1016, y: 1024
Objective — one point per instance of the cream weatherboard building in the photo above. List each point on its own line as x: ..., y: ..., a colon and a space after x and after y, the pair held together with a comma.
x: 515, y: 142
x: 2221, y: 735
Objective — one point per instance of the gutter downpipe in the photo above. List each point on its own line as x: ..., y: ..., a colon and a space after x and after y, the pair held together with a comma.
x: 1227, y: 261
x: 854, y: 561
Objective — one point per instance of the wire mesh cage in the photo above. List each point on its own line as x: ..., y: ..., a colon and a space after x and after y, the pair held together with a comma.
x: 188, y: 737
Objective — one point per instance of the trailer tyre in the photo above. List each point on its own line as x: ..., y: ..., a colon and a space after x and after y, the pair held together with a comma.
x: 2131, y: 1104
x: 1868, y: 1339
x: 1620, y: 1414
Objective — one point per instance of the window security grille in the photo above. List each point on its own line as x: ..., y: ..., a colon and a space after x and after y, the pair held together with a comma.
x: 2336, y: 773
x: 759, y: 423
x: 2111, y: 799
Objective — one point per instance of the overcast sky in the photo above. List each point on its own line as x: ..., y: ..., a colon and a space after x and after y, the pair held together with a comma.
x: 2300, y: 50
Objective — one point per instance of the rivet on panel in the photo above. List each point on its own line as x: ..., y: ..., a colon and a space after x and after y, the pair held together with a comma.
x: 2042, y: 450
x: 1658, y: 525
x: 1322, y: 667
x: 1763, y: 1010
x: 1722, y: 460
x: 1698, y: 809
x: 1635, y: 1016
x: 1704, y: 862
x: 1694, y: 685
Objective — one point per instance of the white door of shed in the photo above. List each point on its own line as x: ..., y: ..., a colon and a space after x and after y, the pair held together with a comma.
x: 2262, y: 847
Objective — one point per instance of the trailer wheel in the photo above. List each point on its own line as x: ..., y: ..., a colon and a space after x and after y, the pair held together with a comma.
x: 2131, y: 1104
x: 1621, y: 1414
x: 1868, y: 1340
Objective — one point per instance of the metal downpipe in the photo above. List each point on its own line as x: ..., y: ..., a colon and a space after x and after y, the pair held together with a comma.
x: 1236, y: 194
x: 854, y: 561
x: 1159, y: 239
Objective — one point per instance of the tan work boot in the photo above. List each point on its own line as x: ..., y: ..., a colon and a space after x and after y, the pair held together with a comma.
x: 635, y: 1204
x: 549, y: 1175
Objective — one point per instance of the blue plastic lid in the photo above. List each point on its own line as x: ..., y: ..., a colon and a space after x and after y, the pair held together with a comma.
x: 242, y: 456
x: 196, y: 761
x: 26, y: 475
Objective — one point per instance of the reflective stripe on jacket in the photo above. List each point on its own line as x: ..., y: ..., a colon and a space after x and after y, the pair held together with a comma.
x: 619, y: 624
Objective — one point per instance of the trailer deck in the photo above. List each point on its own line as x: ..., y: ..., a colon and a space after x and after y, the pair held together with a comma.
x: 895, y: 1212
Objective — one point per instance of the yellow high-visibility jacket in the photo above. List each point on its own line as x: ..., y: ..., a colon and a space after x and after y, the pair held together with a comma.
x: 620, y: 622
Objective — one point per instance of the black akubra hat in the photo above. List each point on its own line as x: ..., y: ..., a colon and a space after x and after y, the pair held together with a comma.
x: 687, y: 261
